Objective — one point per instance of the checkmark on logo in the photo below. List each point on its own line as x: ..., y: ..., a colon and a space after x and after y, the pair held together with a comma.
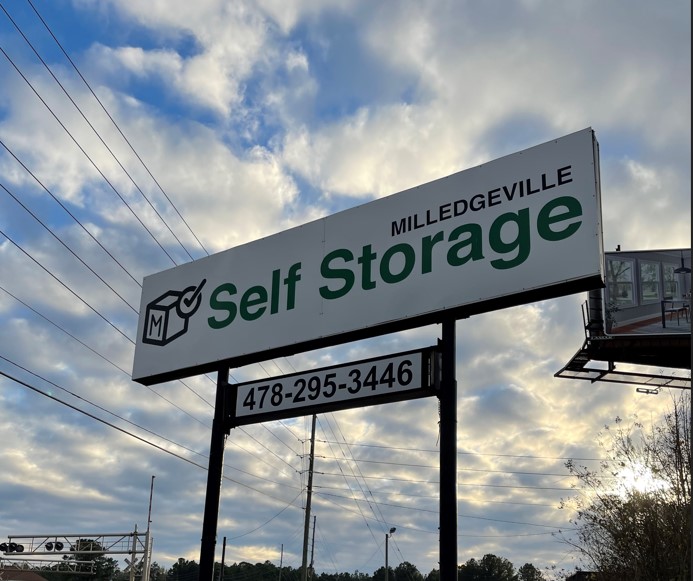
x: 190, y: 300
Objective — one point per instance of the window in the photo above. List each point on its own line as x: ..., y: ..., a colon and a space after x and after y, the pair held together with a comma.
x: 649, y: 281
x: 619, y: 280
x: 671, y: 285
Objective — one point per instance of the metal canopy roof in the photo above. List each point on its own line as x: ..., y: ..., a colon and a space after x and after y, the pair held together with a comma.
x: 650, y: 350
x: 599, y: 355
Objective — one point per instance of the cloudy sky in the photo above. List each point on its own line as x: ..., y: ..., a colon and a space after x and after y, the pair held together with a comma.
x: 141, y: 135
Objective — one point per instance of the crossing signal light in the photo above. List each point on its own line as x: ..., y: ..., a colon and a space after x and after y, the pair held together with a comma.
x: 58, y: 546
x: 11, y: 548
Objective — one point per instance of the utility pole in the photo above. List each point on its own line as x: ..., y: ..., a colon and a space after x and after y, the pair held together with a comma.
x: 147, y: 560
x: 312, y: 547
x: 387, y: 565
x: 223, y: 555
x: 306, y: 526
x: 281, y: 562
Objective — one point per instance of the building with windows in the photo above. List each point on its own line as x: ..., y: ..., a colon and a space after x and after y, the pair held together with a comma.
x: 639, y: 282
x: 638, y: 328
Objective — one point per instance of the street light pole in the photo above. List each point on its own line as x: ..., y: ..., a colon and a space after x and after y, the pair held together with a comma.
x: 387, y: 536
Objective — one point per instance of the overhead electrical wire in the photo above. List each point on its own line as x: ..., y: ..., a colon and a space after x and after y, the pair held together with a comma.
x: 81, y: 76
x: 69, y: 213
x: 64, y: 244
x: 106, y: 359
x: 362, y: 483
x: 436, y: 511
x: 95, y: 131
x: 65, y: 286
x: 126, y: 432
x: 67, y: 94
x: 86, y: 230
x: 91, y: 161
x: 358, y: 506
x: 528, y: 456
x: 437, y: 532
x: 119, y: 417
x: 486, y: 470
x: 340, y: 443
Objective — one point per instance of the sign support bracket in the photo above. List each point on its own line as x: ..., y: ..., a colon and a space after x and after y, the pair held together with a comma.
x: 214, y: 476
x: 448, y: 455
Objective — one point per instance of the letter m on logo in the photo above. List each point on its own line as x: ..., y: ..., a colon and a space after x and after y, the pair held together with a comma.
x: 155, y: 325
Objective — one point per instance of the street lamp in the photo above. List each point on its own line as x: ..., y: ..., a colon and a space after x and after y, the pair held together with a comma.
x: 387, y: 536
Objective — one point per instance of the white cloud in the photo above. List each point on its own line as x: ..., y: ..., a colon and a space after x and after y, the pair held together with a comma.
x: 256, y: 117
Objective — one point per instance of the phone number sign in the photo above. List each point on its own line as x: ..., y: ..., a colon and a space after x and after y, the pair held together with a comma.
x: 407, y: 375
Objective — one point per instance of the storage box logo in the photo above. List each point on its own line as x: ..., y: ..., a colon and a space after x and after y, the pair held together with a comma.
x: 167, y: 316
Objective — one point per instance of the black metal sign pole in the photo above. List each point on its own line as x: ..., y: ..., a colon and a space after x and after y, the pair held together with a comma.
x: 216, y: 461
x: 448, y: 456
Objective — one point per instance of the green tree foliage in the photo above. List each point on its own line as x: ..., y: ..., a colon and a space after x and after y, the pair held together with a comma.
x: 105, y: 568
x: 529, y: 572
x: 157, y: 572
x: 379, y: 574
x: 489, y: 568
x: 355, y: 576
x: 638, y: 532
x: 183, y: 570
x: 407, y: 572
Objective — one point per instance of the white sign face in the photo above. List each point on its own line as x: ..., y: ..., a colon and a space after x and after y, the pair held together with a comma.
x: 344, y: 386
x: 518, y: 229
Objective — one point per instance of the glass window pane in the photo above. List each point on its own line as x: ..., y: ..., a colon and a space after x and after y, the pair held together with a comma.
x: 619, y: 280
x: 671, y: 284
x: 649, y: 281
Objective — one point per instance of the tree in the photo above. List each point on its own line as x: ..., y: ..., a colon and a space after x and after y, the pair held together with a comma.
x: 379, y: 574
x: 529, y: 572
x: 490, y: 568
x: 183, y: 570
x: 157, y: 572
x: 105, y: 568
x: 407, y: 572
x: 634, y: 524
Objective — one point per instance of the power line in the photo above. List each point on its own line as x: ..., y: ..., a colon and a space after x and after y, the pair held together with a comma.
x: 437, y: 511
x: 67, y: 56
x: 106, y: 359
x: 126, y: 432
x: 528, y: 456
x: 96, y: 167
x: 436, y: 532
x: 65, y: 286
x: 96, y: 274
x: 84, y: 228
x: 389, y: 478
x: 485, y: 470
x: 67, y: 94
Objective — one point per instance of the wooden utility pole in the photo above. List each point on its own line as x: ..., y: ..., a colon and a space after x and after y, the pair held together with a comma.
x: 306, y: 526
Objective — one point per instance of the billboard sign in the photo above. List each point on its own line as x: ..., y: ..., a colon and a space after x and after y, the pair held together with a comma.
x: 522, y: 228
x: 404, y: 376
x: 648, y: 292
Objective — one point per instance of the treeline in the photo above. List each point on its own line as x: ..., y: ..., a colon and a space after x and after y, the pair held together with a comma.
x: 489, y: 568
